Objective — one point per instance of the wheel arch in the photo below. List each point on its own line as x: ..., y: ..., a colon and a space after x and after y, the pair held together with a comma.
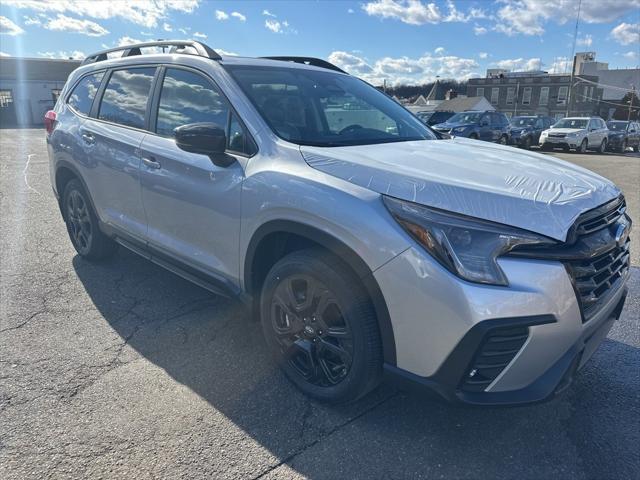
x: 276, y: 238
x: 64, y: 172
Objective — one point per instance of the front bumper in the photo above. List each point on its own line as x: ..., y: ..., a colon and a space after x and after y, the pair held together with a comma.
x: 439, y: 334
x: 560, y: 142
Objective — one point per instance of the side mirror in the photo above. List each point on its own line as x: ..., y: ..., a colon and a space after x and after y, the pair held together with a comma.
x: 204, y: 138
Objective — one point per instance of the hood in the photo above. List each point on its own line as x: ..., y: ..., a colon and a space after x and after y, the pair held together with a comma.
x: 523, y: 189
x: 566, y: 130
x: 449, y: 126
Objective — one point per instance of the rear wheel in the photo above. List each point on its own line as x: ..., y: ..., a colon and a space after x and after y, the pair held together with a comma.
x: 583, y: 146
x: 82, y: 224
x: 321, y: 327
x: 637, y: 148
x: 603, y: 146
x: 623, y: 146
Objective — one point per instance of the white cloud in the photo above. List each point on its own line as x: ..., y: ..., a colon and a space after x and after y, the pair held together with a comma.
x: 277, y: 26
x: 479, y: 30
x: 350, y: 10
x: 585, y: 41
x: 7, y: 27
x: 560, y: 65
x: 528, y: 17
x: 200, y: 35
x: 4, y: 54
x: 267, y: 13
x: 239, y: 16
x: 520, y: 64
x: 416, y: 12
x: 142, y: 12
x: 126, y: 40
x: 631, y: 55
x: 483, y: 55
x: 167, y: 28
x: 75, y: 54
x: 405, y: 70
x: 184, y: 31
x: 627, y: 33
x: 221, y: 15
x: 32, y: 20
x: 63, y: 23
x: 225, y: 52
x: 439, y: 50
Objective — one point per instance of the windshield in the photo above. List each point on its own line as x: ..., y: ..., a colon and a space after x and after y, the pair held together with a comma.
x: 425, y: 115
x: 523, y: 121
x: 572, y: 123
x: 466, y: 117
x: 326, y: 109
x: 617, y: 126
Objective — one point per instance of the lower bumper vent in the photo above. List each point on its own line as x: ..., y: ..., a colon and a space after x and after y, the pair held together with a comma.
x: 497, y: 350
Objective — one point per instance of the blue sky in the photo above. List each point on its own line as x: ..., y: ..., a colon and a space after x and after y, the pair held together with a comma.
x: 400, y: 41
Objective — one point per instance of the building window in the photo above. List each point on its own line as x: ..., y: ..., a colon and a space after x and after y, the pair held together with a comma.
x: 55, y: 93
x: 495, y: 93
x: 511, y: 93
x: 526, y: 96
x: 480, y: 92
x: 544, y: 96
x: 562, y: 95
x: 6, y: 98
x: 559, y: 116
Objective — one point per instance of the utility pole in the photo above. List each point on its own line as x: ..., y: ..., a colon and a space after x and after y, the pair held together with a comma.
x: 573, y: 65
x: 515, y: 104
x: 633, y: 95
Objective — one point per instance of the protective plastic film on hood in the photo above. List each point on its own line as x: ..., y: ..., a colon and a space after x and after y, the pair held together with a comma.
x: 535, y: 192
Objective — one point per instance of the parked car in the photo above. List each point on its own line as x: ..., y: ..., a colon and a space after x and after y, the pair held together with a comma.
x: 578, y: 133
x: 362, y: 249
x: 623, y: 135
x: 434, y: 118
x: 525, y: 131
x: 490, y: 126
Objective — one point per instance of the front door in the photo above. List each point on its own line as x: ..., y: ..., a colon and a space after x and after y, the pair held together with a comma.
x: 192, y: 205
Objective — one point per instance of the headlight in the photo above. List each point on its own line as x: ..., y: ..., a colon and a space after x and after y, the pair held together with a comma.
x: 466, y: 246
x: 459, y: 130
x: 544, y: 133
x: 574, y: 134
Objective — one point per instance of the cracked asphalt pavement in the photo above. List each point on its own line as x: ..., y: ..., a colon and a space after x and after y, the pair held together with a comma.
x: 123, y: 370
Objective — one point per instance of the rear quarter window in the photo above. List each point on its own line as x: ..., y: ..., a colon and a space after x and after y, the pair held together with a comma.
x: 81, y: 97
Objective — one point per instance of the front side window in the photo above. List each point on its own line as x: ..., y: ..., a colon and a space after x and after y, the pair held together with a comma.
x: 126, y: 95
x: 188, y: 97
x: 322, y: 108
x: 82, y: 95
x: 466, y: 117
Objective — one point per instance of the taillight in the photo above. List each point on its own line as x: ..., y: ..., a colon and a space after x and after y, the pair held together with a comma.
x: 49, y: 121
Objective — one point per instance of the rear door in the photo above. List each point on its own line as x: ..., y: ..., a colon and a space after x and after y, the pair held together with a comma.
x: 192, y: 205
x: 112, y: 140
x: 485, y: 127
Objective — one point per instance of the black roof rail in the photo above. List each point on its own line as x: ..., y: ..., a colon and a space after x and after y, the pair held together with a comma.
x: 314, y: 62
x: 178, y: 46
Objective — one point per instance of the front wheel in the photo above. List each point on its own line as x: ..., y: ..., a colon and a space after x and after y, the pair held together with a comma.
x: 527, y: 143
x: 473, y: 136
x: 623, y: 147
x: 321, y: 327
x: 82, y: 224
x: 583, y: 146
x: 503, y: 140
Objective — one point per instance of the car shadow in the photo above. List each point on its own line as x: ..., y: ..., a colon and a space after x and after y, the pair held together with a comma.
x: 206, y: 343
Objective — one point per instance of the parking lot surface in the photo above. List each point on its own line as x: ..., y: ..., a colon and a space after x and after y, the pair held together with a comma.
x: 123, y: 370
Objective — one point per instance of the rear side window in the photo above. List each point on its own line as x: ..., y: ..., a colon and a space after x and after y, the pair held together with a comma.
x: 187, y: 97
x: 84, y: 92
x: 125, y: 98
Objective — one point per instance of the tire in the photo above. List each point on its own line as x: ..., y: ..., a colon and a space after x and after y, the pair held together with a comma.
x: 503, y: 140
x: 527, y: 143
x: 623, y: 147
x: 82, y: 224
x: 603, y: 147
x: 473, y: 136
x: 583, y: 146
x: 637, y: 148
x: 545, y: 147
x: 328, y: 345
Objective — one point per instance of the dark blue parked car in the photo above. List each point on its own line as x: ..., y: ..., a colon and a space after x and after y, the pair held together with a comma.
x: 525, y: 131
x: 488, y: 126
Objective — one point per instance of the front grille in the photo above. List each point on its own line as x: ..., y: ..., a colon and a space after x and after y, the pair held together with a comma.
x: 557, y: 135
x: 497, y: 350
x: 595, y: 278
x: 600, y: 217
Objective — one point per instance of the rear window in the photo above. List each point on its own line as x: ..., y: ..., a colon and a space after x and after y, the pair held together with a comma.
x: 125, y: 98
x: 81, y: 97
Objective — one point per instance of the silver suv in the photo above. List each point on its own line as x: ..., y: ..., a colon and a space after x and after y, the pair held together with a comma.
x: 365, y: 245
x: 578, y: 133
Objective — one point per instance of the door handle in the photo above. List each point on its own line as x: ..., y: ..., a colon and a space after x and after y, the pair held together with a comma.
x: 151, y: 162
x: 88, y: 138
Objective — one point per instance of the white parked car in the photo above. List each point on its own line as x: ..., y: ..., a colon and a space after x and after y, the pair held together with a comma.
x: 578, y: 133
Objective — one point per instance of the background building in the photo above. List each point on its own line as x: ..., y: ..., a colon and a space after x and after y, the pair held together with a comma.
x: 29, y: 87
x: 535, y: 93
